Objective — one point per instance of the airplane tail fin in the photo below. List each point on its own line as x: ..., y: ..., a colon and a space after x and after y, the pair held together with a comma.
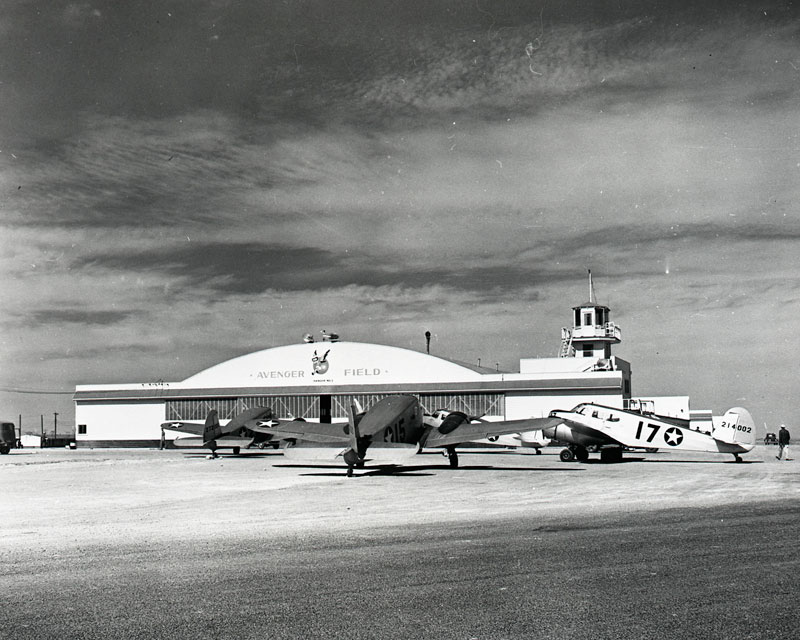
x: 736, y: 427
x: 212, y: 428
x: 352, y: 456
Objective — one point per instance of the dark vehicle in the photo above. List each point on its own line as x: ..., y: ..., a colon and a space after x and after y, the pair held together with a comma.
x: 770, y: 438
x: 8, y: 437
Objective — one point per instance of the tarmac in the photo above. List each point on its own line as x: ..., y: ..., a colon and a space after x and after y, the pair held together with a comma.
x: 170, y: 544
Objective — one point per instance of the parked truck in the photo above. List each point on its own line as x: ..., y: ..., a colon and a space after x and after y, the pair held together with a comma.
x: 8, y: 437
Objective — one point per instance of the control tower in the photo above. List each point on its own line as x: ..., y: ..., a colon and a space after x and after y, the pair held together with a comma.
x: 592, y: 333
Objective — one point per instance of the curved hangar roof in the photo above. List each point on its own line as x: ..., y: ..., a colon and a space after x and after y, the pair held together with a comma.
x: 328, y: 363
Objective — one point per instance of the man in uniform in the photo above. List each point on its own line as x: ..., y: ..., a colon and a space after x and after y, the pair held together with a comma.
x: 783, y: 442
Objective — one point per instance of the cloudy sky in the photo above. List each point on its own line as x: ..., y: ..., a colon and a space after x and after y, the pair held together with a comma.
x: 188, y: 181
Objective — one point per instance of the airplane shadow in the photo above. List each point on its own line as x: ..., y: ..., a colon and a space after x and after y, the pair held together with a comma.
x: 338, y: 471
x: 229, y: 456
x: 624, y: 460
x: 416, y: 470
x: 651, y: 461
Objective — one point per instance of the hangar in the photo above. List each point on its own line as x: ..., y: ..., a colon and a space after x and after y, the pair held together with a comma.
x: 316, y: 380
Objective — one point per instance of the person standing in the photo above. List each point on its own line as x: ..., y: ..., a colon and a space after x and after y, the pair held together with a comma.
x: 783, y: 442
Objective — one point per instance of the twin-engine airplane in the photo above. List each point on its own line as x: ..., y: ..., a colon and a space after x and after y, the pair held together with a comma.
x: 251, y: 426
x: 596, y: 427
x: 389, y: 434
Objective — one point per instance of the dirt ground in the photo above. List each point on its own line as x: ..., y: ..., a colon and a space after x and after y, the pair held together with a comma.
x: 57, y: 499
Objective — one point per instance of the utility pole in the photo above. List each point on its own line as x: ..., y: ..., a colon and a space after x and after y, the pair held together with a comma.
x: 41, y: 442
x: 55, y: 425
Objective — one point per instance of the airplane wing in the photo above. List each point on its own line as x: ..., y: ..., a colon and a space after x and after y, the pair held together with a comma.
x: 264, y: 426
x: 311, y: 432
x: 224, y: 442
x: 249, y: 419
x: 192, y: 428
x: 469, y: 431
x: 253, y: 419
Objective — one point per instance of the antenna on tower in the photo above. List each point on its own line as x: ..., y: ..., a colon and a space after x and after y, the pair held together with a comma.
x: 591, y: 288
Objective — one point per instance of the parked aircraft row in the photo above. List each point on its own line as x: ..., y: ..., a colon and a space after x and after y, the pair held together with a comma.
x: 395, y: 429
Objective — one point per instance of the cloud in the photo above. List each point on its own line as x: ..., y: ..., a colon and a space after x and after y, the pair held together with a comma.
x: 42, y: 318
x: 254, y: 268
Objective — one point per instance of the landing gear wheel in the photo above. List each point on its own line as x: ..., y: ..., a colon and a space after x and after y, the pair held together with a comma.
x: 566, y: 455
x: 236, y: 451
x: 581, y: 454
x: 349, y: 472
x: 452, y: 456
x: 737, y: 457
x: 538, y: 451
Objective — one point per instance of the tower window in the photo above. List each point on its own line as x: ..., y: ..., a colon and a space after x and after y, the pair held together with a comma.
x: 587, y: 319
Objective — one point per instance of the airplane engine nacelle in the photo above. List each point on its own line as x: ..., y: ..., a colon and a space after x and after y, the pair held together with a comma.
x: 565, y: 433
x: 351, y: 458
x: 454, y: 420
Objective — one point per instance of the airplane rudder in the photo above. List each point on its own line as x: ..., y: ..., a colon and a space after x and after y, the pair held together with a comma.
x: 746, y: 420
x: 212, y: 419
x: 737, y: 426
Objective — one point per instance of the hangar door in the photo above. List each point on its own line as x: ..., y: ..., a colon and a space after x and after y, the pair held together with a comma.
x: 328, y: 407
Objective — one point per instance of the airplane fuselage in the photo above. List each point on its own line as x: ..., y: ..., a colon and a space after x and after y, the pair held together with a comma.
x: 591, y: 425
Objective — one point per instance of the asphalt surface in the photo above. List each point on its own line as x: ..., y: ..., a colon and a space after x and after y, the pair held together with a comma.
x: 507, y: 547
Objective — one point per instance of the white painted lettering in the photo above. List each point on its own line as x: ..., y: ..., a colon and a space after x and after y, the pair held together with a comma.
x: 362, y: 372
x: 281, y: 374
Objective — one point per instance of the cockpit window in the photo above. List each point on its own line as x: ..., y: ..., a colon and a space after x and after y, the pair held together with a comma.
x: 595, y: 414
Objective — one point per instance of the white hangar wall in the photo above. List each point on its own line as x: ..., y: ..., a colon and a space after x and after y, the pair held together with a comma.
x: 331, y: 363
x: 121, y: 423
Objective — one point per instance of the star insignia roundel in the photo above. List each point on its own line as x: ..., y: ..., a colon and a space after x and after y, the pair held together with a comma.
x: 673, y: 436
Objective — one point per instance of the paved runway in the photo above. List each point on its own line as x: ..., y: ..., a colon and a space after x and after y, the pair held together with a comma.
x: 383, y: 557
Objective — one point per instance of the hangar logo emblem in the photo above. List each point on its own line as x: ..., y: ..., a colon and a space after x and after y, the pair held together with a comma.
x: 673, y: 436
x: 320, y: 365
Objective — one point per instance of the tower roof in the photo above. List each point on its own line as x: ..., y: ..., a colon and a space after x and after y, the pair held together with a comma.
x: 591, y: 304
